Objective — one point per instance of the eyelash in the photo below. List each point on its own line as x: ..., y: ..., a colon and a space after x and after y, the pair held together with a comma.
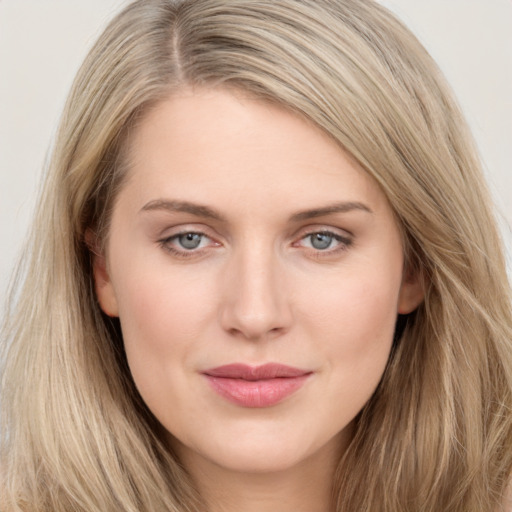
x: 165, y: 243
x: 344, y: 242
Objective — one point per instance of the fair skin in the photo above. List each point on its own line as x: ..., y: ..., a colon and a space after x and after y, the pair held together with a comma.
x: 292, y: 256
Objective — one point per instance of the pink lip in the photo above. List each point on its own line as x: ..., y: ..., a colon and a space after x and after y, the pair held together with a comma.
x: 256, y: 386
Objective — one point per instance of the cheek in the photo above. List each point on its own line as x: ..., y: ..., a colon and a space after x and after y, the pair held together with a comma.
x: 371, y: 311
x: 354, y: 324
x: 157, y: 297
x: 162, y: 315
x: 355, y: 343
x: 358, y: 306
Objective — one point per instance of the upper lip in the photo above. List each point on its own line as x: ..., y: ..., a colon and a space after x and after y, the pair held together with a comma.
x: 262, y: 372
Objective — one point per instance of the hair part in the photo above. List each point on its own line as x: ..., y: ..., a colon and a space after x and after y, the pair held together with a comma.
x: 77, y: 436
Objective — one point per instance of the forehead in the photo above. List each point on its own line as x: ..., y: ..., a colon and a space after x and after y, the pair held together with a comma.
x: 219, y: 145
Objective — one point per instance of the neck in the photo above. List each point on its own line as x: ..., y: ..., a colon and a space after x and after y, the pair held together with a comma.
x: 306, y: 487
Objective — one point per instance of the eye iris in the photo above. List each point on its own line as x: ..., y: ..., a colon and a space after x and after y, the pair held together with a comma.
x: 190, y: 240
x: 321, y: 240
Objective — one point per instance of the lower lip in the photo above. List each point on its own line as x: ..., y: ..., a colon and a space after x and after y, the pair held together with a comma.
x: 257, y: 393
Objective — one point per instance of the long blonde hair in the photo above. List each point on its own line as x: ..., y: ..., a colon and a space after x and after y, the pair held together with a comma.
x: 436, y: 435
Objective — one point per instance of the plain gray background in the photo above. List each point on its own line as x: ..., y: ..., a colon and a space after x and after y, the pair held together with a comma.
x: 42, y: 43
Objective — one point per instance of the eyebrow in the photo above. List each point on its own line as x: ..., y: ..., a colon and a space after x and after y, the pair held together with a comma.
x: 207, y: 212
x: 341, y: 207
x: 182, y: 206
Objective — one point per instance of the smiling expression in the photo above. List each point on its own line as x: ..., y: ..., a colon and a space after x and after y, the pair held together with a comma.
x: 245, y: 241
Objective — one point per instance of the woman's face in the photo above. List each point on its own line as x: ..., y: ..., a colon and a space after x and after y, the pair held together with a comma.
x: 257, y: 272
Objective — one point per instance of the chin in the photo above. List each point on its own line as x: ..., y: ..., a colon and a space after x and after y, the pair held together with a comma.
x: 260, y: 450
x: 258, y: 460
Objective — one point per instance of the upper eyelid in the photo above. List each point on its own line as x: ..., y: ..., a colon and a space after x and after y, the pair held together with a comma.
x: 188, y: 232
x: 182, y: 229
x: 322, y: 228
x: 185, y: 232
x: 340, y: 238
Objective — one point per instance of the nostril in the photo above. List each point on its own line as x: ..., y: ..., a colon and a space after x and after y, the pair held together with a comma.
x: 256, y: 334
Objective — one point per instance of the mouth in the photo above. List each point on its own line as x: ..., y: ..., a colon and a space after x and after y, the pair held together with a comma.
x: 256, y: 386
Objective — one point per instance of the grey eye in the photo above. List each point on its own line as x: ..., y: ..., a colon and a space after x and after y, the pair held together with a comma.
x: 190, y: 240
x: 321, y: 241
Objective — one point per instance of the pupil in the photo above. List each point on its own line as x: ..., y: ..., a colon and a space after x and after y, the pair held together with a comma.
x: 190, y: 240
x: 321, y: 240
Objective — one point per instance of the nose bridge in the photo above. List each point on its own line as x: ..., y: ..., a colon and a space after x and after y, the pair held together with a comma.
x: 256, y: 301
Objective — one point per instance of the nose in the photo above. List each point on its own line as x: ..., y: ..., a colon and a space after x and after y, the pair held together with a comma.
x: 256, y: 302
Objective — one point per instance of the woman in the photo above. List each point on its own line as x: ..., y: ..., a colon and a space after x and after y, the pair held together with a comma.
x: 264, y: 276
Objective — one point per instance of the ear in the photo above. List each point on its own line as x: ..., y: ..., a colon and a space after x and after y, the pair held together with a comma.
x: 412, y: 291
x: 102, y: 283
